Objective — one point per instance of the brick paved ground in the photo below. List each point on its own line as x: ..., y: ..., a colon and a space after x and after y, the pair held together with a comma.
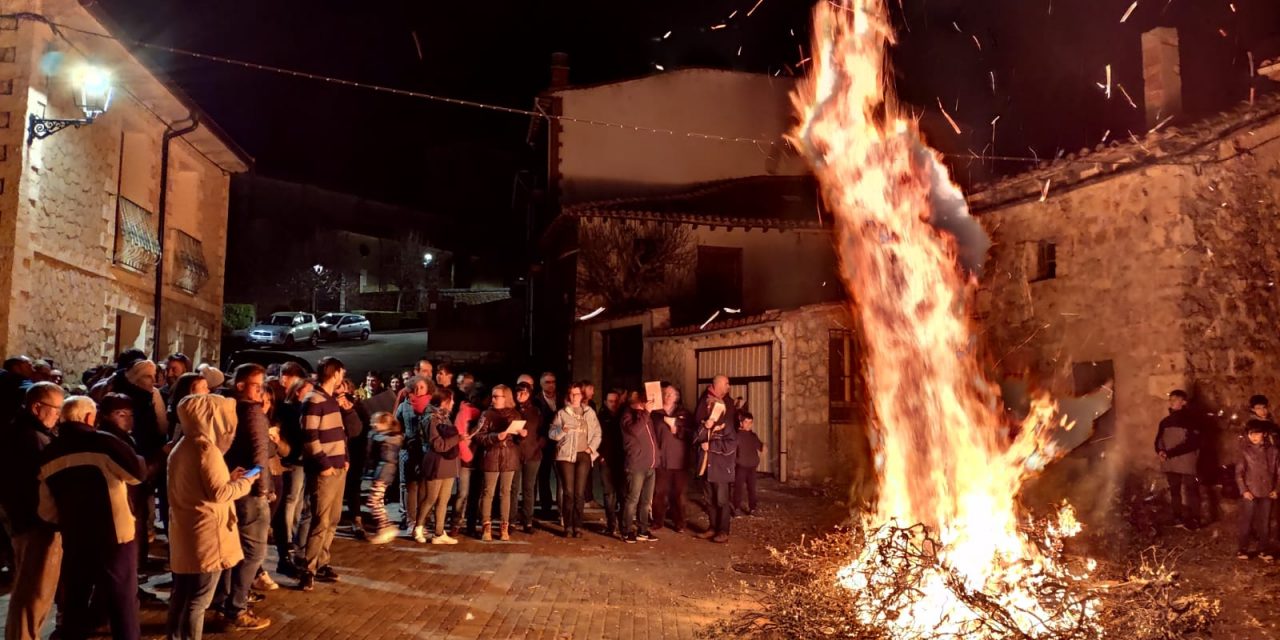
x: 539, y: 586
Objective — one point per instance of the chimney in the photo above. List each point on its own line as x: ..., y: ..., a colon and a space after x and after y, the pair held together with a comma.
x: 559, y: 70
x: 1161, y: 74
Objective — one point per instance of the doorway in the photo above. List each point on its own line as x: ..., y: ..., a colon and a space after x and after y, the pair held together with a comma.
x: 623, y: 356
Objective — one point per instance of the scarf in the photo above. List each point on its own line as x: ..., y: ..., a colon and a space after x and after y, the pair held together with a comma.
x: 419, y: 403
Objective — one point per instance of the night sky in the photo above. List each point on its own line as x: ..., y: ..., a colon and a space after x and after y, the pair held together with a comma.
x: 1046, y: 57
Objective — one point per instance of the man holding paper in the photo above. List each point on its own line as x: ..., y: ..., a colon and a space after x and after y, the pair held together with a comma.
x: 716, y: 446
x: 674, y: 426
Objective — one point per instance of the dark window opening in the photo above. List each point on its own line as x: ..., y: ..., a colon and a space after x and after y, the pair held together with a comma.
x: 1046, y: 261
x: 842, y: 377
x: 719, y: 277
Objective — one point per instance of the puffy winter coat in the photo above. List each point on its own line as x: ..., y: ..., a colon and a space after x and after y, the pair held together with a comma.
x: 575, y: 430
x: 202, y: 519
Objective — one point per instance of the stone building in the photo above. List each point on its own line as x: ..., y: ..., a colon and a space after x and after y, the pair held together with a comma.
x: 94, y: 219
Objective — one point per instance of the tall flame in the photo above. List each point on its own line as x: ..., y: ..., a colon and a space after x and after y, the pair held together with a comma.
x: 942, y: 457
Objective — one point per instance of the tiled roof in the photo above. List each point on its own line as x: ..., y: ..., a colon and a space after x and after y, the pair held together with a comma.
x: 730, y: 322
x: 471, y: 297
x: 1192, y: 143
x: 768, y: 202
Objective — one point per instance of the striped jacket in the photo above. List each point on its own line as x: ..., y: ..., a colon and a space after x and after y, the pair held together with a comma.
x: 84, y: 478
x: 324, y: 431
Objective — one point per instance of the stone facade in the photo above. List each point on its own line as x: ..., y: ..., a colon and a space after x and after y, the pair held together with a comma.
x: 60, y: 199
x: 1164, y: 266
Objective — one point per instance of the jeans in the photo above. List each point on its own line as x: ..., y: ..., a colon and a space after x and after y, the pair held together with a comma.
x: 720, y: 507
x: 463, y: 499
x: 192, y: 594
x: 408, y: 488
x: 1177, y: 483
x: 1255, y: 522
x: 435, y: 498
x: 744, y: 488
x: 546, y: 498
x: 573, y: 493
x: 232, y: 595
x: 527, y: 481
x: 109, y: 575
x: 37, y: 562
x: 668, y: 496
x: 492, y: 480
x: 325, y: 497
x: 614, y: 485
x: 639, y: 500
x: 290, y: 515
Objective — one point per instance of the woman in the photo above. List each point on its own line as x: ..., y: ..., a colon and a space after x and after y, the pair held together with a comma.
x: 463, y: 506
x: 576, y: 431
x: 188, y: 384
x: 395, y: 384
x: 204, y: 540
x: 501, y: 459
x: 413, y: 415
x: 288, y: 521
x: 439, y: 467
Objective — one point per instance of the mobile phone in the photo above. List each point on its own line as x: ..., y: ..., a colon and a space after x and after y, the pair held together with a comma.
x: 253, y: 473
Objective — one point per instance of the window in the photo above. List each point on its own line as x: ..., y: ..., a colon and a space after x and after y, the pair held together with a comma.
x: 719, y: 277
x: 1043, y: 261
x: 842, y: 377
x: 137, y: 243
x: 190, y: 271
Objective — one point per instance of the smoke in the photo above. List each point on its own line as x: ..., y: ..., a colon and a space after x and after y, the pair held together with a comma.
x: 950, y: 213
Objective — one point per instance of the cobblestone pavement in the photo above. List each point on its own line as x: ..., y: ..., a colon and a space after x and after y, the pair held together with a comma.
x: 539, y: 586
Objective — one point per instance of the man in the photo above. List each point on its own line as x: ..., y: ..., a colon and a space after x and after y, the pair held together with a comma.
x: 610, y: 463
x: 250, y: 447
x: 445, y: 380
x: 327, y: 464
x: 37, y: 546
x: 531, y: 447
x: 674, y: 426
x: 525, y: 379
x: 43, y: 371
x: 548, y: 403
x: 85, y: 476
x: 589, y: 394
x: 1177, y: 443
x: 291, y: 372
x: 174, y: 367
x: 466, y: 384
x: 136, y: 378
x: 14, y: 382
x: 716, y: 443
x: 641, y: 451
x: 372, y: 385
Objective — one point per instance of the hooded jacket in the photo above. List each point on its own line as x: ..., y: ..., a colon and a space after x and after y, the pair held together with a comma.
x: 1258, y: 468
x: 574, y: 431
x: 202, y: 520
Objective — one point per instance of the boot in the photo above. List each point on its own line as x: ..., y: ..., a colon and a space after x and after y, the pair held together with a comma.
x: 505, y: 535
x: 487, y: 536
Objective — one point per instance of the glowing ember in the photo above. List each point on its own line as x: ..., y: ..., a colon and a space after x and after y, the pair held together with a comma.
x: 943, y: 456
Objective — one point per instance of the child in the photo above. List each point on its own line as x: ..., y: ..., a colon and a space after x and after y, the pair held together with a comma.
x: 1258, y: 477
x: 749, y: 448
x: 387, y: 438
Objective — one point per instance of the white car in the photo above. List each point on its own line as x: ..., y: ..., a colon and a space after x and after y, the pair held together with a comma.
x: 341, y: 326
x: 287, y: 329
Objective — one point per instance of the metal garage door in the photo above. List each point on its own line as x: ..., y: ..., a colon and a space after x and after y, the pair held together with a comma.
x: 750, y: 371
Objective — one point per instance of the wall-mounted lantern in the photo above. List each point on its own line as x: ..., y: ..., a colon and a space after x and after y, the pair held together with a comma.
x: 92, y: 86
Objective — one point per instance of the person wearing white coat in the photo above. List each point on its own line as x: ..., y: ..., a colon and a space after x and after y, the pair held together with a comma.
x: 576, y: 431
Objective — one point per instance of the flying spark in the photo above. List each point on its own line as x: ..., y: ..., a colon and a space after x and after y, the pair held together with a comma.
x: 948, y: 117
x: 975, y: 41
x: 666, y: 35
x: 593, y: 314
x: 719, y: 26
x: 713, y: 317
x: 1108, y: 82
x: 1126, y: 96
x: 753, y: 9
x: 1044, y: 194
x: 1130, y: 11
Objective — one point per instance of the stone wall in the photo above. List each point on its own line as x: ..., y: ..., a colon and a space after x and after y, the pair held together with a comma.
x: 58, y: 268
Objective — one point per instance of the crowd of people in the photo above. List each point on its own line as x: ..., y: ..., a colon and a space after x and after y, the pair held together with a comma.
x: 222, y: 466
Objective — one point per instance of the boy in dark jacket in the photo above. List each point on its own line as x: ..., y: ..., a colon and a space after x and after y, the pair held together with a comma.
x: 640, y: 449
x: 386, y: 440
x: 744, y: 482
x: 1177, y: 444
x: 1258, y: 478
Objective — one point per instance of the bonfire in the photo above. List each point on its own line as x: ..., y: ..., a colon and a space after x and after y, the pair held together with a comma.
x: 946, y: 551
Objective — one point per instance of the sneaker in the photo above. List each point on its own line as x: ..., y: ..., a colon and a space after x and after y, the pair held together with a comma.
x: 708, y: 534
x: 419, y: 535
x: 264, y: 582
x: 1266, y: 556
x: 1241, y: 555
x: 307, y: 582
x: 444, y: 539
x: 647, y: 537
x: 384, y: 535
x: 721, y: 538
x: 327, y: 574
x: 630, y: 539
x: 247, y: 621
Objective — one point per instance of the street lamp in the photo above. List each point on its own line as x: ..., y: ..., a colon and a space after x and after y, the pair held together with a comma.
x: 426, y: 259
x: 319, y: 269
x: 92, y: 85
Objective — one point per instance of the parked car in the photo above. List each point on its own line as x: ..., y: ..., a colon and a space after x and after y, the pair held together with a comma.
x: 287, y: 328
x: 340, y: 326
x: 264, y: 358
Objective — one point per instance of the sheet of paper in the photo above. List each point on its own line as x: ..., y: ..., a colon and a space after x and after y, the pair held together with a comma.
x: 653, y: 392
x: 717, y: 412
x: 670, y: 420
x: 515, y: 427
